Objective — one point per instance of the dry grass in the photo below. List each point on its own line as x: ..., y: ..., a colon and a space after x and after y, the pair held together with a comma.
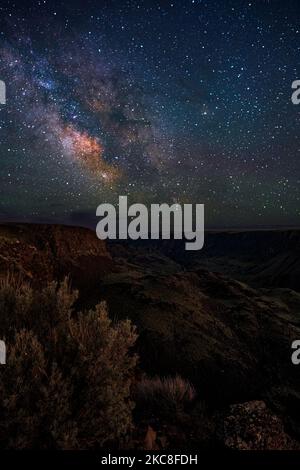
x: 164, y: 396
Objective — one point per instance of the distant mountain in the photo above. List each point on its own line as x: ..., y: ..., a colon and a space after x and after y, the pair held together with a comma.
x: 263, y: 258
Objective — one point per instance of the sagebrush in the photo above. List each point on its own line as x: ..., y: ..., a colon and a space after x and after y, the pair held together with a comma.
x: 66, y: 384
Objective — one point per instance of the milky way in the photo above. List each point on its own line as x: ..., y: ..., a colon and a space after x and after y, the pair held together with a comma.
x: 174, y: 101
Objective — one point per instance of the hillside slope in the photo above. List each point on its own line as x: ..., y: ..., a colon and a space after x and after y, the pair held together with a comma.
x: 232, y: 340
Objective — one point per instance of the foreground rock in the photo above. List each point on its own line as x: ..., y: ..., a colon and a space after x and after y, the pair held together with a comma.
x: 252, y: 426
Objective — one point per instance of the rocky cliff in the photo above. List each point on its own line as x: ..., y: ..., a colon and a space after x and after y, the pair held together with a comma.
x: 41, y: 253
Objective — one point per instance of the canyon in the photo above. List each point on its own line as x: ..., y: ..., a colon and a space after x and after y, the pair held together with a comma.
x: 224, y: 318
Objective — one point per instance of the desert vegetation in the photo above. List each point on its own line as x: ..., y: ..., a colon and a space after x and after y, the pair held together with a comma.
x: 166, y: 397
x: 71, y: 380
x: 67, y: 380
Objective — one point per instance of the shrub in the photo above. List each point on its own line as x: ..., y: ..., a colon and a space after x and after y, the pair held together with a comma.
x: 165, y: 397
x: 67, y: 380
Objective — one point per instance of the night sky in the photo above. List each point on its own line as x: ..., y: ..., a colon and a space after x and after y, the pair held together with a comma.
x: 163, y: 101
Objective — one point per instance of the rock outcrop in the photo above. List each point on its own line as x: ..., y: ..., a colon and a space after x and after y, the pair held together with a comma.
x: 42, y: 253
x: 252, y: 426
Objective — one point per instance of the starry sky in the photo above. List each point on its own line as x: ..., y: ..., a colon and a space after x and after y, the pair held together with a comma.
x: 162, y: 101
